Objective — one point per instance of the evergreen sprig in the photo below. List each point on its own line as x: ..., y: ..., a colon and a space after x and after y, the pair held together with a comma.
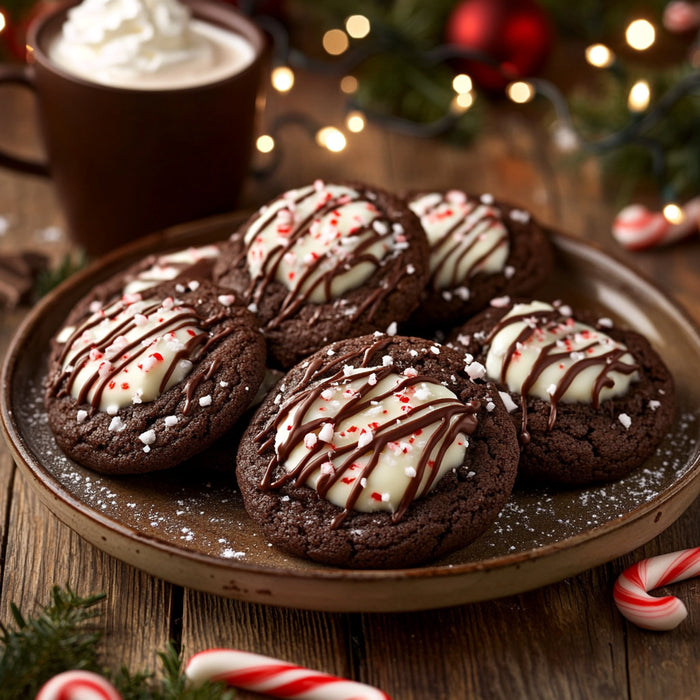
x: 64, y: 635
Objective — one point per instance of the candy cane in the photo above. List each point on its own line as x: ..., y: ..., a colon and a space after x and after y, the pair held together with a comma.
x: 78, y: 685
x: 636, y: 227
x: 630, y: 592
x: 279, y: 679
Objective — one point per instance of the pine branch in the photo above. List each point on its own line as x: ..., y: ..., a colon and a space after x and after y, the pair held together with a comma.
x: 63, y: 635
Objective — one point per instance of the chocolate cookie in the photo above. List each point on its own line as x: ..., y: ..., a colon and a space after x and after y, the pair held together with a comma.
x: 591, y: 401
x: 178, y: 265
x: 143, y: 384
x: 326, y: 262
x: 377, y: 452
x: 479, y: 249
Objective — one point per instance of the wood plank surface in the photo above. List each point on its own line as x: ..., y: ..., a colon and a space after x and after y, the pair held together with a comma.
x: 563, y: 641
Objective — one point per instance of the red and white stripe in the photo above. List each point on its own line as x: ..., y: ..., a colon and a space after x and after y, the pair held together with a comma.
x: 631, y: 589
x: 78, y: 685
x: 273, y: 677
x: 636, y: 227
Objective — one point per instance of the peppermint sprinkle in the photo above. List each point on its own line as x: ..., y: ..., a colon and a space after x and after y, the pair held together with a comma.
x: 508, y: 401
x: 327, y: 468
x: 326, y: 432
x: 372, y: 380
x: 500, y: 302
x: 387, y: 360
x: 148, y: 438
x: 82, y: 415
x: 365, y: 439
x: 475, y: 370
x: 625, y: 420
x: 226, y: 299
x: 310, y: 440
x: 205, y: 400
x: 392, y: 328
x: 117, y: 424
x: 410, y: 472
x: 653, y: 405
x: 410, y: 269
x: 253, y: 308
x: 170, y: 421
x: 193, y: 285
x: 605, y: 322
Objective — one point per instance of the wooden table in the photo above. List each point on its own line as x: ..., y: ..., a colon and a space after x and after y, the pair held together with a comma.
x: 563, y: 641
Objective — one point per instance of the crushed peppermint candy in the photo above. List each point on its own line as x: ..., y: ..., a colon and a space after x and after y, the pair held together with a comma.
x: 653, y: 404
x: 475, y: 370
x: 117, y: 424
x: 500, y: 302
x: 625, y: 420
x: 205, y: 400
x: 81, y: 416
x: 170, y: 421
x: 326, y: 432
x: 148, y: 437
x: 226, y: 299
x: 508, y: 401
x: 392, y: 329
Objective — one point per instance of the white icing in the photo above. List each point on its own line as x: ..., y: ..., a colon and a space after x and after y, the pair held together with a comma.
x: 472, y: 232
x: 332, y: 236
x: 577, y: 339
x: 169, y: 266
x: 160, y: 337
x: 387, y: 483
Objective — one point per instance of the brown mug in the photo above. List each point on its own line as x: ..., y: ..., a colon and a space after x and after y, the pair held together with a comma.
x: 126, y: 162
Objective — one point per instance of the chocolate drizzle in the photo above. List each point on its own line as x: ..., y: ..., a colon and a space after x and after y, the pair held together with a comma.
x: 536, y: 325
x: 451, y: 416
x: 116, y: 356
x: 322, y: 269
x: 459, y: 240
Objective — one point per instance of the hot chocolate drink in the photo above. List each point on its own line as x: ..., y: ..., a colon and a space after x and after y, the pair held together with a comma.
x: 146, y: 44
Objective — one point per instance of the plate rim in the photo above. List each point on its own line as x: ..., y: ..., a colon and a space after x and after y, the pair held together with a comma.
x: 52, y: 493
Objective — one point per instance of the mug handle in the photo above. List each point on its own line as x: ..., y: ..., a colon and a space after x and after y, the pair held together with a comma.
x: 20, y: 75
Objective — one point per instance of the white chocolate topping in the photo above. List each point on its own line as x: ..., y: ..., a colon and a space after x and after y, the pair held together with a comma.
x: 167, y: 267
x: 465, y: 236
x: 374, y: 433
x: 320, y: 241
x: 539, y: 351
x: 131, y: 352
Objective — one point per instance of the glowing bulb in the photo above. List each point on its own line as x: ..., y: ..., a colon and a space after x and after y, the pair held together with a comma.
x: 520, y: 92
x: 331, y: 138
x: 355, y: 122
x: 3, y: 21
x: 673, y: 213
x: 348, y: 84
x: 599, y: 55
x: 335, y: 42
x: 282, y: 78
x: 265, y: 143
x: 462, y: 102
x: 639, y: 97
x: 357, y: 26
x: 640, y: 34
x: 462, y: 83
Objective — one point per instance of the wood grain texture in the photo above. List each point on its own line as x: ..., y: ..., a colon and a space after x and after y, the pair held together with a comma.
x: 563, y: 641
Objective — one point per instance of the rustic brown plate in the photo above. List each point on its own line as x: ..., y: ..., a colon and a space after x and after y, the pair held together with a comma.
x: 188, y: 526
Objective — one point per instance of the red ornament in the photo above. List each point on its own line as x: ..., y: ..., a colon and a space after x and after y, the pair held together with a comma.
x: 516, y: 34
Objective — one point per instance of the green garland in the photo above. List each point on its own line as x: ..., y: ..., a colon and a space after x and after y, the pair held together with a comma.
x: 64, y: 635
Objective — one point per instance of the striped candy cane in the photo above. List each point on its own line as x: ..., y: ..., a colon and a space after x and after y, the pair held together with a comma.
x: 633, y: 601
x: 279, y: 679
x: 636, y: 227
x: 78, y: 685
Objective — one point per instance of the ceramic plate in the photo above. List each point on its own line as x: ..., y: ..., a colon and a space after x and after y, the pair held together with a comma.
x: 188, y: 525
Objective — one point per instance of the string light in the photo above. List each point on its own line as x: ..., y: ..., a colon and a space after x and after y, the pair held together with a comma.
x: 520, y: 92
x: 357, y: 26
x: 348, y: 84
x: 462, y: 102
x: 335, y: 42
x: 282, y: 78
x: 462, y: 83
x: 3, y: 21
x: 673, y: 213
x: 355, y: 122
x: 265, y: 143
x: 599, y: 56
x: 331, y: 138
x: 640, y: 34
x: 639, y: 96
